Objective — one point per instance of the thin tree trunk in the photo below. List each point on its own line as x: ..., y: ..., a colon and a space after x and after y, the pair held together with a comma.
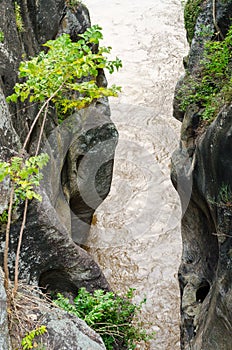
x: 16, y: 277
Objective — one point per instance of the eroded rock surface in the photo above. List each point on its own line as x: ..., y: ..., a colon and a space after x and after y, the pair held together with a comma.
x: 201, y: 169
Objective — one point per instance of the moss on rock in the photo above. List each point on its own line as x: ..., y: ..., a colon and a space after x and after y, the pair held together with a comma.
x: 191, y: 12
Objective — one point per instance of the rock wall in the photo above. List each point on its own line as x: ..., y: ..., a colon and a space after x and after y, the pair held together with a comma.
x: 201, y: 167
x: 81, y: 150
x: 4, y: 332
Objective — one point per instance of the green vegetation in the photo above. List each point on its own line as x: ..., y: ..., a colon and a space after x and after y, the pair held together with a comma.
x: 67, y: 74
x: 29, y: 342
x: 225, y: 195
x: 4, y: 217
x: 211, y: 88
x: 1, y: 36
x: 18, y: 18
x: 24, y: 175
x: 192, y: 10
x: 72, y: 3
x: 115, y: 318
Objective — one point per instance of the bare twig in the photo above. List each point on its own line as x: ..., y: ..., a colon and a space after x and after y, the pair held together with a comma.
x: 42, y: 129
x: 215, y: 21
x: 221, y: 234
x: 38, y: 115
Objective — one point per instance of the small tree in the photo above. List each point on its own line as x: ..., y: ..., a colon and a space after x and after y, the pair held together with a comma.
x: 67, y: 77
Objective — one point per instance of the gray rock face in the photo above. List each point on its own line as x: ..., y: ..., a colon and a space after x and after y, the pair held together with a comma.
x: 4, y: 334
x: 201, y: 173
x: 80, y: 336
x: 78, y: 176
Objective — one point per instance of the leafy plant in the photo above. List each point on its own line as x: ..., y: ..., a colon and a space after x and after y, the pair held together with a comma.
x: 24, y: 175
x: 1, y: 36
x: 67, y: 73
x: 113, y: 317
x: 211, y: 88
x: 18, y: 18
x: 28, y: 342
x: 4, y: 217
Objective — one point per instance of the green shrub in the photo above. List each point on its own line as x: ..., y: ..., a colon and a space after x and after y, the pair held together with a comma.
x: 113, y: 317
x: 211, y: 88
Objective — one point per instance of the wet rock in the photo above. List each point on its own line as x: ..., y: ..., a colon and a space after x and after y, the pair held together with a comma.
x: 202, y: 175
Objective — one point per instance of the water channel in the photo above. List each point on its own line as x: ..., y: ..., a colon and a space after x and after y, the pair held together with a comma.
x: 136, y: 233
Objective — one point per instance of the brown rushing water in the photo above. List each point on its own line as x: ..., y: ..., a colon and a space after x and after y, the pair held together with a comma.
x: 136, y: 237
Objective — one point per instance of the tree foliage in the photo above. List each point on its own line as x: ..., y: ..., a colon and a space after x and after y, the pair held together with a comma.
x: 67, y: 71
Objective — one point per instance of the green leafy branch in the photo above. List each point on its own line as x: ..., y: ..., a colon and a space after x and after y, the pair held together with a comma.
x: 28, y: 341
x: 67, y: 72
x: 24, y: 175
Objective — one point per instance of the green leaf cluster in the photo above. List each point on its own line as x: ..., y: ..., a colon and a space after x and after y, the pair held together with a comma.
x: 24, y: 175
x: 211, y: 88
x: 1, y: 36
x: 112, y: 316
x: 4, y: 217
x: 68, y: 72
x: 28, y: 341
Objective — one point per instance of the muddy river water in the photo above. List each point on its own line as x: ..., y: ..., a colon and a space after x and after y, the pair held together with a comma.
x: 136, y: 236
